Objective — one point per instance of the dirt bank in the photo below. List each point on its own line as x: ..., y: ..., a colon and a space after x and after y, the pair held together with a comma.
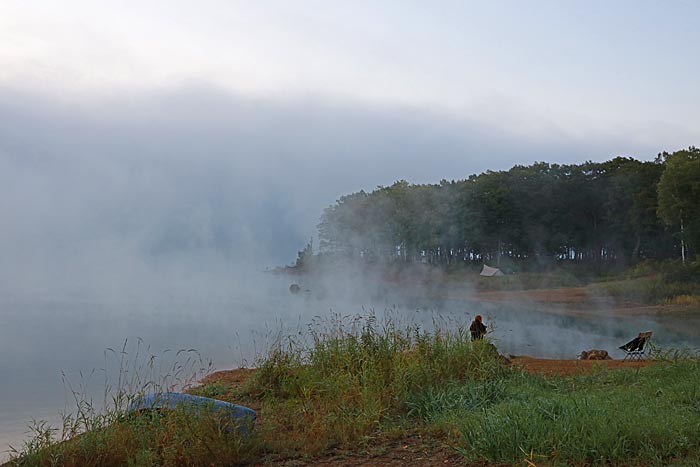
x: 569, y: 300
x: 411, y: 449
x: 549, y: 367
x: 543, y: 366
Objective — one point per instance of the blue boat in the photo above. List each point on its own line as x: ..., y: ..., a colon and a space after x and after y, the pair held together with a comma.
x: 233, y: 416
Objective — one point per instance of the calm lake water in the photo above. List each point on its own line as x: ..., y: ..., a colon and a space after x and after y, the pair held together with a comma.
x: 47, y: 342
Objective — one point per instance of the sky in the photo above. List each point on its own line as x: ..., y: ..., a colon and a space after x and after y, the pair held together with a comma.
x: 142, y: 133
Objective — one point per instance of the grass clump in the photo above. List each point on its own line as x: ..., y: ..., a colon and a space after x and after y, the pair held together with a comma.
x: 357, y: 377
x: 625, y: 417
x: 174, y: 438
x: 213, y: 390
x: 109, y: 435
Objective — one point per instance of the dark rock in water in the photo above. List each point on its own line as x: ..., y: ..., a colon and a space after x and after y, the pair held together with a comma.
x: 594, y: 354
x: 294, y: 288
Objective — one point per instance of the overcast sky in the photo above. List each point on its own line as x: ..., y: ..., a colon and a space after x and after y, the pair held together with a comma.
x: 221, y: 126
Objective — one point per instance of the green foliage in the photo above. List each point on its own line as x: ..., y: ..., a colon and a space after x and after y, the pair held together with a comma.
x: 305, y: 257
x: 357, y: 375
x: 538, y: 214
x: 626, y: 417
x: 212, y: 390
x: 174, y: 437
x: 435, y: 402
x: 653, y: 282
x: 679, y: 193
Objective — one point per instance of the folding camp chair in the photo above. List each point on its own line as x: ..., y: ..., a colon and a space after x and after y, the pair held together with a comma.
x: 636, y: 348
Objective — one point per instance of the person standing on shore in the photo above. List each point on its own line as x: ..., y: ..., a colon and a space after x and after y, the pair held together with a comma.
x: 477, y: 328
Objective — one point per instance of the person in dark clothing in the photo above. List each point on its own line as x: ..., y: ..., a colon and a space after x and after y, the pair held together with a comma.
x: 477, y: 328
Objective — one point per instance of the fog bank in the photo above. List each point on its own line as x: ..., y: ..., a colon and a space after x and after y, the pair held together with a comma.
x: 144, y: 192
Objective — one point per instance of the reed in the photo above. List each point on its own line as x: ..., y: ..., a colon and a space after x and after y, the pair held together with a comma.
x: 105, y: 434
x: 352, y: 382
x: 356, y: 376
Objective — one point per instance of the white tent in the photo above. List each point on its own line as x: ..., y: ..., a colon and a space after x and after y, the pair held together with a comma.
x: 491, y: 272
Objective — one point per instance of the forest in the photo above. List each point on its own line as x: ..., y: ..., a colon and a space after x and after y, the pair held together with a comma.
x: 616, y: 212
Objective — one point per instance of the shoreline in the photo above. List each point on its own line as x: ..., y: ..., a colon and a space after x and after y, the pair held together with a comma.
x: 536, y: 365
x: 575, y: 301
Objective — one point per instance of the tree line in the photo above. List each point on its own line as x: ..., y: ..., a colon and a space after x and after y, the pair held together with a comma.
x: 622, y: 210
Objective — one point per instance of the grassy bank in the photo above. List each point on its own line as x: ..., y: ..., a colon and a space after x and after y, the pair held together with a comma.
x: 657, y: 282
x: 652, y: 282
x: 668, y: 282
x: 349, y: 385
x: 645, y: 417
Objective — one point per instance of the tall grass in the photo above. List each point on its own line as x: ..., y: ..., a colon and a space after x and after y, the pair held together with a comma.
x: 358, y: 375
x: 105, y: 434
x: 340, y: 385
x: 352, y: 382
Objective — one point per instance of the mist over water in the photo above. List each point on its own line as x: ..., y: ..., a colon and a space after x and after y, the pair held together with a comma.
x: 153, y: 216
x: 235, y: 319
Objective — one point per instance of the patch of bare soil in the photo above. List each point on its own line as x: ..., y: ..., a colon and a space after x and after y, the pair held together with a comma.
x: 229, y: 377
x: 407, y: 452
x: 549, y: 367
x: 543, y: 366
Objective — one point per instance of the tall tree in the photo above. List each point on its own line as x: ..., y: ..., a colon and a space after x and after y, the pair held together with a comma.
x: 601, y: 212
x: 679, y: 195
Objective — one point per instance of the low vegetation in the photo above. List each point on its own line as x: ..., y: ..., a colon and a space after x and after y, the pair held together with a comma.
x: 652, y: 282
x: 357, y: 380
x: 353, y: 383
x: 645, y: 417
x: 655, y: 282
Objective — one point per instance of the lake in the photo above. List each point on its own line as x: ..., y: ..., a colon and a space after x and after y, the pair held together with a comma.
x: 48, y: 344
